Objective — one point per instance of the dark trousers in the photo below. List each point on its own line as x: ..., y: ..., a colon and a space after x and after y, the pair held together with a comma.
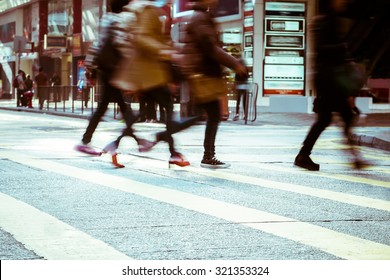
x: 85, y: 95
x: 212, y: 110
x: 243, y: 94
x: 110, y: 94
x: 19, y: 97
x: 162, y: 96
x: 42, y: 95
x: 324, y: 118
x: 148, y: 109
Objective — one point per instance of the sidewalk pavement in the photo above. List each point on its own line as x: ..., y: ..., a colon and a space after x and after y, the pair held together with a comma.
x: 372, y: 129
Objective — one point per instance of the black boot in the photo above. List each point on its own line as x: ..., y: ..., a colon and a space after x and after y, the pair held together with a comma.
x: 305, y: 161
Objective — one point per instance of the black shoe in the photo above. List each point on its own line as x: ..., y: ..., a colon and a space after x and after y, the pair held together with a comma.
x: 306, y: 162
x: 213, y: 163
x: 360, y: 164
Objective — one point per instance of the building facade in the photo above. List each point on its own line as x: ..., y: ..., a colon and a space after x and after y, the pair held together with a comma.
x: 271, y: 36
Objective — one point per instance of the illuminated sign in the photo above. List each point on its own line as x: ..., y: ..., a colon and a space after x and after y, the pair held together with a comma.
x: 285, y: 25
x: 284, y: 7
x: 284, y: 41
x: 55, y: 41
x: 225, y: 10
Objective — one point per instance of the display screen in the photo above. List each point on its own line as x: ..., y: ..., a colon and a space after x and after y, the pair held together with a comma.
x: 279, y: 41
x: 226, y: 9
x: 284, y: 25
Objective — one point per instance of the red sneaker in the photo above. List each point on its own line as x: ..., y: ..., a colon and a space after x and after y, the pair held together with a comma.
x: 179, y: 160
x: 115, y: 161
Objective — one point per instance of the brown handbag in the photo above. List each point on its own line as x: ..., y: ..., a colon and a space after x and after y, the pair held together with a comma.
x: 205, y: 88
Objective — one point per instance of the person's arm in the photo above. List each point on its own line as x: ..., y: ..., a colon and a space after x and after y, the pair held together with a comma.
x: 204, y: 34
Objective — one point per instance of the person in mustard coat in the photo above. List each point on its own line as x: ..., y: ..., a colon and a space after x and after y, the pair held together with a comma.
x: 146, y: 69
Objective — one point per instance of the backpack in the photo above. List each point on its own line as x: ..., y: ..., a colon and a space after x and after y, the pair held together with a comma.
x: 103, y: 55
x: 15, y: 82
x: 108, y: 56
x: 116, y: 44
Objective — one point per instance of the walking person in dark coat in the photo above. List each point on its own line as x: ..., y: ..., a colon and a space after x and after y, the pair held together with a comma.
x: 206, y: 57
x: 28, y: 94
x: 42, y: 83
x: 21, y: 88
x: 331, y: 55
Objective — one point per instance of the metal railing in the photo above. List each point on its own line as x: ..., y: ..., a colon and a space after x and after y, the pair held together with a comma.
x: 67, y: 98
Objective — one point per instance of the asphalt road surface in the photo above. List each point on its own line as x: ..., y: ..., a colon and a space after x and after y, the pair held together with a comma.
x: 58, y: 204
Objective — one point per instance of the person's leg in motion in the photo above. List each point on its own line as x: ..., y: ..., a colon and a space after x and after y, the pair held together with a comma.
x: 163, y: 97
x: 350, y: 117
x: 303, y: 159
x: 94, y: 121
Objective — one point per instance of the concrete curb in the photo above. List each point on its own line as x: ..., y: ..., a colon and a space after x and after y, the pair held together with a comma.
x: 371, y: 141
x: 360, y: 140
x: 54, y: 113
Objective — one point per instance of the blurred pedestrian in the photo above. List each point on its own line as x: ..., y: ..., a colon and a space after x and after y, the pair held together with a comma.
x: 147, y: 109
x: 332, y: 54
x: 149, y: 71
x: 21, y: 88
x: 55, y: 80
x: 84, y: 86
x: 205, y: 57
x: 55, y: 83
x: 111, y: 93
x: 28, y: 94
x: 42, y: 83
x: 241, y: 82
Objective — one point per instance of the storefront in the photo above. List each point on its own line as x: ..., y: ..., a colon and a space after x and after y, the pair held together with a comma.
x: 271, y: 37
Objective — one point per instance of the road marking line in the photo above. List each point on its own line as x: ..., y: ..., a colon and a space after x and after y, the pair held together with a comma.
x: 49, y: 237
x: 311, y: 191
x: 339, y: 244
x: 343, y: 177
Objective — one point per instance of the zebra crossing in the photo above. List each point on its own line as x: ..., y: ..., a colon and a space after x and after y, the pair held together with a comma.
x: 52, y: 238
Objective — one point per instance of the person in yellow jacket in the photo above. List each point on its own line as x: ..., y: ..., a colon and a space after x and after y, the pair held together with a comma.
x: 145, y: 69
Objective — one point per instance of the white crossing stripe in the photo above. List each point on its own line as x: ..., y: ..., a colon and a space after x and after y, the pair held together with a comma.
x: 339, y: 244
x: 49, y: 237
x: 315, y: 192
x: 343, y: 177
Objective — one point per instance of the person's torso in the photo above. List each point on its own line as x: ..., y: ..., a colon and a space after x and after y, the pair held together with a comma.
x: 202, y: 35
x: 330, y: 46
x: 21, y: 84
x: 29, y: 84
x: 150, y: 70
x: 41, y: 79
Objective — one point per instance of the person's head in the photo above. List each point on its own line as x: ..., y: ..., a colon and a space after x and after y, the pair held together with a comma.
x: 20, y: 72
x: 117, y: 5
x: 28, y: 76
